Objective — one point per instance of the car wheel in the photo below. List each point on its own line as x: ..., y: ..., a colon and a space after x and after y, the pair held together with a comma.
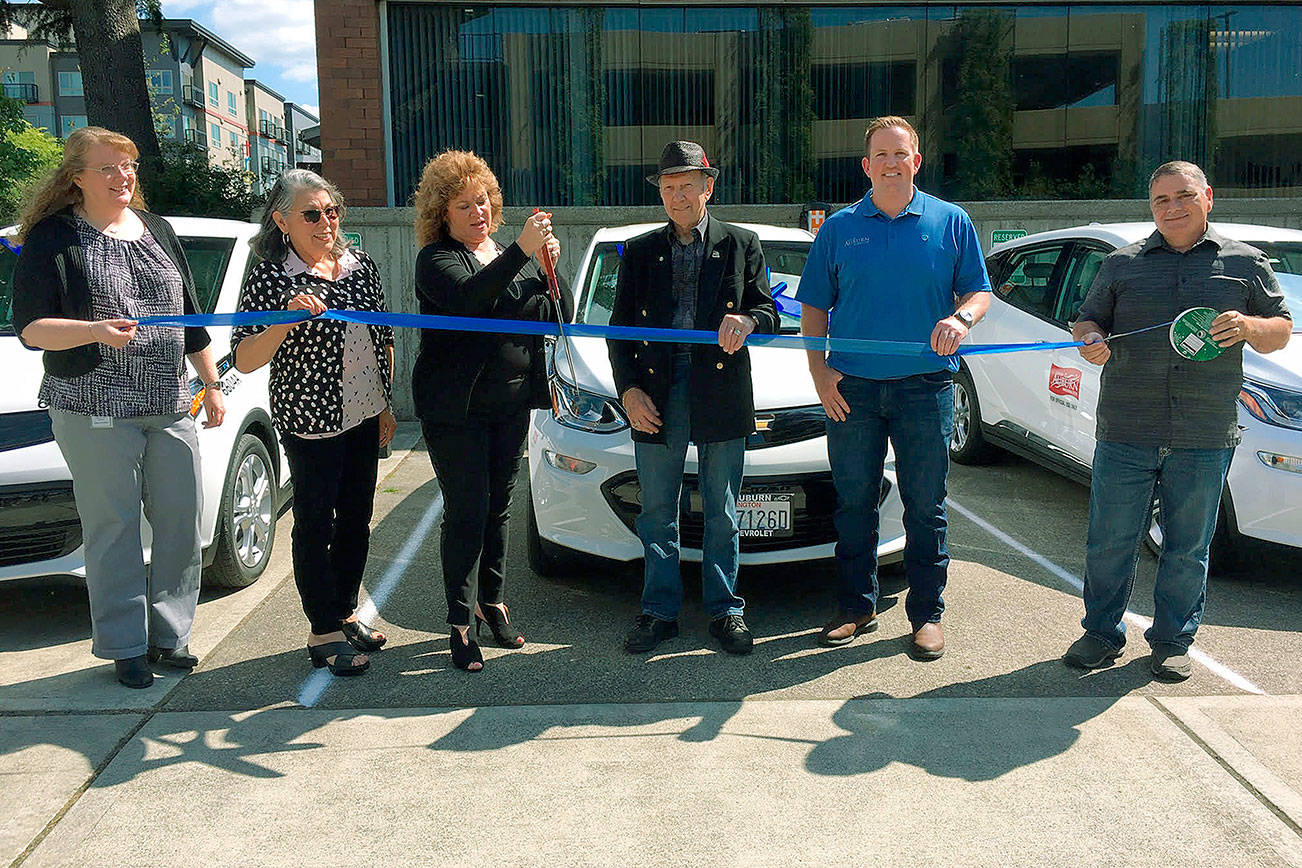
x: 1227, y: 549
x: 246, y: 523
x: 966, y: 444
x: 544, y: 559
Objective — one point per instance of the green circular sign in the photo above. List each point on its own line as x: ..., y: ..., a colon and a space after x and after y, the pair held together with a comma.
x: 1191, y: 335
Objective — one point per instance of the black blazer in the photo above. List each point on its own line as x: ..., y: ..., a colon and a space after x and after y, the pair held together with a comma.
x: 450, y: 281
x: 50, y: 281
x: 733, y: 280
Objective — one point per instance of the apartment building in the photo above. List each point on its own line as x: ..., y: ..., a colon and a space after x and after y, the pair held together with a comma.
x: 305, y: 135
x: 270, y: 142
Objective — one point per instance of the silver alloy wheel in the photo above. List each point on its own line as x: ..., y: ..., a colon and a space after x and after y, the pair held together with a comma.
x: 251, y: 511
x: 962, y: 417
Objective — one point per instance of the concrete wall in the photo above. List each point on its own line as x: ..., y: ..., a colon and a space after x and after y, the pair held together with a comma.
x: 387, y: 235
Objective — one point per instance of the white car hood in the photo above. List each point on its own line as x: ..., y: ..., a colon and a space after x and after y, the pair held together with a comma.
x: 1281, y: 368
x: 781, y: 376
x: 22, y: 376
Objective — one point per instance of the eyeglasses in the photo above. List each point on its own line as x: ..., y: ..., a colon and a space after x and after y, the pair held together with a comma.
x: 313, y: 215
x: 126, y: 167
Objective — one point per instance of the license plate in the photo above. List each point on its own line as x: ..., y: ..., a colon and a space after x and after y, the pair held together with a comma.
x: 764, y: 513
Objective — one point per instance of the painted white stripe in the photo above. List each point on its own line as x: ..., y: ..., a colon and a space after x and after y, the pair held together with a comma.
x: 1078, y: 585
x: 315, y: 684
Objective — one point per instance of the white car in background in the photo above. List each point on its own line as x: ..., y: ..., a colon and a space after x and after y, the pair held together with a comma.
x: 584, y: 494
x: 245, y: 478
x: 1041, y: 404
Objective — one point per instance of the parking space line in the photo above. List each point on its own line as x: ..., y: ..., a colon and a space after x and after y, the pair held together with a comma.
x: 1077, y: 584
x: 314, y: 686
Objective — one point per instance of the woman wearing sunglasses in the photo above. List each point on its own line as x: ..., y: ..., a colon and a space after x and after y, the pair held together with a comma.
x: 331, y: 384
x: 93, y: 262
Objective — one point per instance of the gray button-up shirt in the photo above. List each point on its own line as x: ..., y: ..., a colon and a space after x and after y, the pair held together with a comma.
x: 1150, y: 395
x: 686, y: 262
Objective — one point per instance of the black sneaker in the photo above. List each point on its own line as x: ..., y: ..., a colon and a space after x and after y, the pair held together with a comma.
x: 1089, y: 653
x: 648, y: 632
x: 181, y: 658
x: 1170, y: 664
x: 732, y: 633
x: 134, y: 672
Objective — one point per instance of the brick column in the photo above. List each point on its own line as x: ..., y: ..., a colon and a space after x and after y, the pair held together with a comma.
x: 348, y: 70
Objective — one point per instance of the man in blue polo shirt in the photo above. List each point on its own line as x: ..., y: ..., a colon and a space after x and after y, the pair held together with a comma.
x: 899, y: 265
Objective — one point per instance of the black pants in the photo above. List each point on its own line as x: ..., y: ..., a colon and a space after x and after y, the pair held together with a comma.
x: 476, y: 464
x: 334, y: 492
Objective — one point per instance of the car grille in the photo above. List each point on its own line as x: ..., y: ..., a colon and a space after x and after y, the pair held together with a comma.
x: 37, y: 523
x: 813, y: 507
x: 19, y: 430
x: 788, y: 425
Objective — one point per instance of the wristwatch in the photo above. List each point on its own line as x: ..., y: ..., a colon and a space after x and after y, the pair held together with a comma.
x: 965, y: 317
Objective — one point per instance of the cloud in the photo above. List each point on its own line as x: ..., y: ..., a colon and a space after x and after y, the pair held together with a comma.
x: 280, y: 35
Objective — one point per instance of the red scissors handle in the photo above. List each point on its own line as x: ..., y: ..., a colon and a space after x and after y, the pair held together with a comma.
x: 549, y: 268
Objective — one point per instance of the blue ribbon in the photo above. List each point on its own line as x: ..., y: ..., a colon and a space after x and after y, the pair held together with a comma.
x: 582, y: 330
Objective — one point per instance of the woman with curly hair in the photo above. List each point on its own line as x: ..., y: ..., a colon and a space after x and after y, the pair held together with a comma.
x: 93, y: 262
x: 473, y: 391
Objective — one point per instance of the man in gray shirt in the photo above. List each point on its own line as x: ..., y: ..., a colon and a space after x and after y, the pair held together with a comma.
x: 1166, y: 424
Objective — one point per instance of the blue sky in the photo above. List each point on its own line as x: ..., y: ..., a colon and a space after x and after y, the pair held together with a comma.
x: 279, y: 34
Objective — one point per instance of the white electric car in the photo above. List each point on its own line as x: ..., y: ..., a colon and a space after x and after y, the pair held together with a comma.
x: 583, y: 483
x: 245, y: 479
x: 1041, y: 405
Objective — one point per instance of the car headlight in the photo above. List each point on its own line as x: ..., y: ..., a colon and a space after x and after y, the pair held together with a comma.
x: 585, y: 411
x: 1271, y: 404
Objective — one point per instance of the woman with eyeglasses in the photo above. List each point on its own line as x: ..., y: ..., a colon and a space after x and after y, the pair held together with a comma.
x: 331, y: 385
x: 93, y: 262
x: 473, y: 391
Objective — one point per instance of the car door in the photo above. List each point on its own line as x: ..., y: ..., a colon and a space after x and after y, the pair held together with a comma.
x: 1073, y: 384
x: 1012, y: 385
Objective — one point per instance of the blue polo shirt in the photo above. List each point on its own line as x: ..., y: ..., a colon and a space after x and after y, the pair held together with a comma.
x: 887, y: 279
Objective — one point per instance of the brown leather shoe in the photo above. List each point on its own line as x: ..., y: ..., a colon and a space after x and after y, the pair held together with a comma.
x: 844, y: 626
x: 929, y: 642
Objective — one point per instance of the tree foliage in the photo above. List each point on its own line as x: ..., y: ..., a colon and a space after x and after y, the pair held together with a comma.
x: 188, y: 187
x: 26, y: 155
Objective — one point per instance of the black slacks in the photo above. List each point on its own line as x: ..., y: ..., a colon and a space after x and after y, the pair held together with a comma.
x: 476, y: 465
x: 334, y: 493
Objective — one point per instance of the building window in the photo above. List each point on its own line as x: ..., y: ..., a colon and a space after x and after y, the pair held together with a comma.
x: 68, y: 123
x: 160, y: 80
x: 212, y: 94
x: 230, y: 103
x: 235, y: 140
x: 216, y: 130
x: 70, y: 84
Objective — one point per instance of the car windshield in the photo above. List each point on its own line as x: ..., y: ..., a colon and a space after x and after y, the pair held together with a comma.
x: 1291, y: 284
x: 785, y: 260
x: 208, y: 258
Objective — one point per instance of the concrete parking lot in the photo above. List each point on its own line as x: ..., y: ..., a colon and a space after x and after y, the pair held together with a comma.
x: 571, y: 752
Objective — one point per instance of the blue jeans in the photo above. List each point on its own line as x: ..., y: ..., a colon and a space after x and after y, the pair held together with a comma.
x: 917, y: 415
x: 660, y: 475
x: 1187, y: 483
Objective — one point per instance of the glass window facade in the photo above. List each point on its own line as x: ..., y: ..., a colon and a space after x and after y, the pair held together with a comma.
x: 572, y: 105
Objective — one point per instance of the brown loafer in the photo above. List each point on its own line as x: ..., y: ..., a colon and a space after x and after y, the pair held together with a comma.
x: 844, y: 626
x: 929, y: 642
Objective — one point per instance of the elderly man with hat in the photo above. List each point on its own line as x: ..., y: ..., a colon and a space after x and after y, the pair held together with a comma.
x: 696, y: 272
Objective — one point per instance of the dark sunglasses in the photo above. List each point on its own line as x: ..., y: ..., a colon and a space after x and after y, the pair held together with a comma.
x: 313, y: 215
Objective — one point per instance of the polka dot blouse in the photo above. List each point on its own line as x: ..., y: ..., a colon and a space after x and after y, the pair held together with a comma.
x: 319, y: 373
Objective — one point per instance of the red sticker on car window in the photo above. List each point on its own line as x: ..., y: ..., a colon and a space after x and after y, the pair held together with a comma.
x: 1064, y: 381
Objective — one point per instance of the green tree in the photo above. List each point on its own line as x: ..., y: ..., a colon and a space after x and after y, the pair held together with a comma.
x: 109, y: 49
x: 188, y: 187
x: 981, y: 121
x: 26, y: 155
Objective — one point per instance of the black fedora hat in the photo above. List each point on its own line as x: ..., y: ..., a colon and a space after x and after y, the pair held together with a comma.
x: 678, y: 157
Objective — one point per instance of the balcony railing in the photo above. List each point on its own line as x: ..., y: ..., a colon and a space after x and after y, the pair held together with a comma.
x: 192, y: 95
x: 21, y: 90
x: 197, y: 139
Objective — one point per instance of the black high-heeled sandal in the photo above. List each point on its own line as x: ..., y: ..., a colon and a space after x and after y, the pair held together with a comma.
x: 362, y: 637
x: 345, y: 662
x: 464, y: 652
x: 504, y: 633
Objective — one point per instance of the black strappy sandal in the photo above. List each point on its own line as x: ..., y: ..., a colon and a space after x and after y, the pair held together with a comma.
x: 362, y: 637
x: 345, y: 662
x: 464, y: 652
